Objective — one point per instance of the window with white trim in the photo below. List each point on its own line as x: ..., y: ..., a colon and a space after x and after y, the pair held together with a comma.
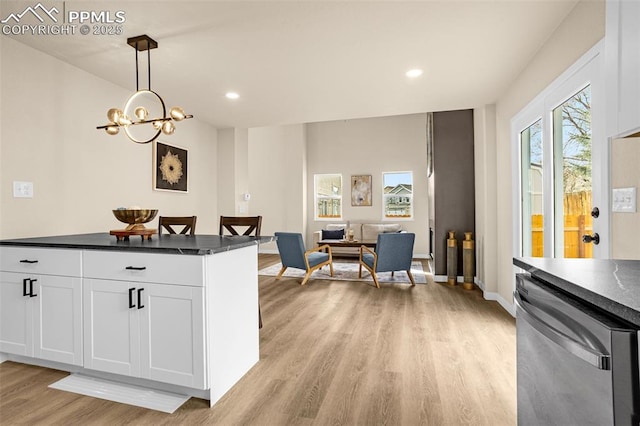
x: 397, y: 195
x: 328, y: 196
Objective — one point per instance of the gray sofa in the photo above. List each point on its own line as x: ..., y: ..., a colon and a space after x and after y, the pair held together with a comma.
x: 361, y: 231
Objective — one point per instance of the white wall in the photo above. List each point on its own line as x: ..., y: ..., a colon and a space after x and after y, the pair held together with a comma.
x: 580, y: 31
x: 278, y: 179
x: 371, y: 146
x: 233, y: 172
x: 485, y: 178
x: 226, y: 172
x: 625, y: 227
x: 48, y: 136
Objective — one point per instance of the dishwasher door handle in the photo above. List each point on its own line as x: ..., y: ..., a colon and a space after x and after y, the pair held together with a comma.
x: 597, y: 359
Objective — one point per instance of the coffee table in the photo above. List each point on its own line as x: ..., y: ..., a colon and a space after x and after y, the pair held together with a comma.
x: 347, y: 243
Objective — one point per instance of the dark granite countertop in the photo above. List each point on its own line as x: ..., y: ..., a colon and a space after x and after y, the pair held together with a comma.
x: 167, y: 243
x: 611, y: 285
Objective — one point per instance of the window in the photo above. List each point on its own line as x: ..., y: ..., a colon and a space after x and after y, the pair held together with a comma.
x: 328, y: 190
x: 573, y: 187
x: 397, y: 195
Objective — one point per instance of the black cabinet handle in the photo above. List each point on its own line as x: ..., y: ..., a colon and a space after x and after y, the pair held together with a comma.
x: 24, y: 287
x: 31, y: 293
x: 28, y: 261
x: 131, y: 304
x: 136, y: 268
x: 140, y: 305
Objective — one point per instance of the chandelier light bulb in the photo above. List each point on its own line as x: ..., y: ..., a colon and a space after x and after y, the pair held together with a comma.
x: 141, y: 113
x: 112, y: 130
x: 168, y: 128
x: 157, y: 124
x: 177, y: 113
x: 114, y: 114
x: 124, y: 120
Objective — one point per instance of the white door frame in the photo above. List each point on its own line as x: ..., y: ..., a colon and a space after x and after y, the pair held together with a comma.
x: 586, y: 70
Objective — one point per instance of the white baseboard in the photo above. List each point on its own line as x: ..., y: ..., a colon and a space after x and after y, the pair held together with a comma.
x: 489, y: 295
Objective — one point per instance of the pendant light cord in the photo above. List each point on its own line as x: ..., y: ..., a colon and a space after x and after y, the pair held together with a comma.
x: 149, y: 65
x: 137, y: 85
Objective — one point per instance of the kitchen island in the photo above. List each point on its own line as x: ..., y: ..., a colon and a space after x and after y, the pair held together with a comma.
x: 175, y: 313
x: 577, y: 323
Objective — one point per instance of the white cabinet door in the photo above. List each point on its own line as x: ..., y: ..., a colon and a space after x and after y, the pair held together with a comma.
x: 111, y: 330
x: 623, y: 67
x: 57, y: 318
x: 629, y: 71
x: 41, y: 316
x: 154, y: 331
x: 172, y: 334
x: 16, y: 319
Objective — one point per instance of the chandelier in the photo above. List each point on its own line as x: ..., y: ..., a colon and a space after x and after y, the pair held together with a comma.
x: 144, y: 116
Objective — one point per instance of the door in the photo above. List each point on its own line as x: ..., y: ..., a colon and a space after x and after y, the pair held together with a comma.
x: 111, y: 329
x: 172, y: 334
x: 16, y: 319
x: 57, y: 311
x: 562, y: 159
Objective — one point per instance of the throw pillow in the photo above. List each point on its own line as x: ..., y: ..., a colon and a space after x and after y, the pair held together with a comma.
x: 338, y: 234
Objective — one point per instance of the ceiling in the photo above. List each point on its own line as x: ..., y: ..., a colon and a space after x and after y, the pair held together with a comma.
x: 309, y: 61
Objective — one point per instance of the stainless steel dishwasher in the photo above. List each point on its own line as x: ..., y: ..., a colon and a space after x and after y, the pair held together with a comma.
x: 576, y: 365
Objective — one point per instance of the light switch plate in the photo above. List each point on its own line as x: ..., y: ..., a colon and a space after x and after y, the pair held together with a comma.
x: 624, y: 200
x: 22, y: 189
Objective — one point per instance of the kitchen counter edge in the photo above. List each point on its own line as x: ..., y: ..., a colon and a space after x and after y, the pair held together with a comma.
x: 167, y: 244
x: 598, y: 285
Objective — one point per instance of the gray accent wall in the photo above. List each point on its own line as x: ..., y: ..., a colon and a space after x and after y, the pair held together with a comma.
x: 452, y: 184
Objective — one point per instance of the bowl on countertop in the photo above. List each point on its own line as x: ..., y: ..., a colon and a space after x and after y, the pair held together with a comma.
x: 135, y: 217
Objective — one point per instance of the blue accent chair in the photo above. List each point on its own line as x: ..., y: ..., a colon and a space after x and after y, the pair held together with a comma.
x: 293, y: 255
x: 393, y: 252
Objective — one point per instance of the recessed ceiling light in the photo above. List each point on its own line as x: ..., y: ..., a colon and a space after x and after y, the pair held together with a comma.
x: 414, y: 73
x: 232, y: 95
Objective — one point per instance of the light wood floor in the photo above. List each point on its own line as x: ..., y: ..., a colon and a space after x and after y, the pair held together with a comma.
x: 331, y: 352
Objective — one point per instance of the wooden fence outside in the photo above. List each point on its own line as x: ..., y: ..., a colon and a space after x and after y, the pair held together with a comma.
x: 577, y: 222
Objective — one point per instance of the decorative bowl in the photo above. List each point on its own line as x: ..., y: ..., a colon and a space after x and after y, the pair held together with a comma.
x: 135, y: 217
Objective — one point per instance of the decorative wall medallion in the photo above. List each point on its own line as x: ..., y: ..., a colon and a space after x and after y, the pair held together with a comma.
x: 170, y: 168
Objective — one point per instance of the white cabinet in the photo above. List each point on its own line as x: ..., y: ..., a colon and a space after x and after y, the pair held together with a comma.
x: 41, y: 314
x: 622, y: 50
x: 142, y: 329
x: 179, y: 322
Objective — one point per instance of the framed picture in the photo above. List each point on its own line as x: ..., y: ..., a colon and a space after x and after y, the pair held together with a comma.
x: 170, y: 171
x: 361, y: 190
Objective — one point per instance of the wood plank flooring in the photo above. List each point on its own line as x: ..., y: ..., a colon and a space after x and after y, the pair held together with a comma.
x: 331, y: 353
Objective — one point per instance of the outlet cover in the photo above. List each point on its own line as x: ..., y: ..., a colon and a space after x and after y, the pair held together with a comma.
x: 22, y: 189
